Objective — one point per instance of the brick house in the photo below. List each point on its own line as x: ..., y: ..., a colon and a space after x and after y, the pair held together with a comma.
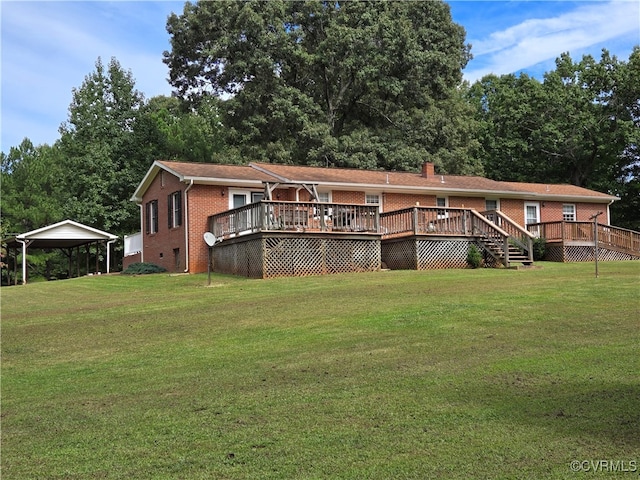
x: 179, y: 202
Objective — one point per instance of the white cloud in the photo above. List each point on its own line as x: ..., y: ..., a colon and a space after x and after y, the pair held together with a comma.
x: 543, y: 39
x: 49, y: 47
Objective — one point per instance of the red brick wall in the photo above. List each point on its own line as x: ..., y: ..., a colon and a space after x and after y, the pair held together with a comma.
x: 397, y: 201
x: 552, y: 211
x: 513, y: 208
x: 129, y: 259
x: 476, y: 203
x: 159, y: 247
x: 204, y: 200
x: 341, y: 196
x: 167, y: 247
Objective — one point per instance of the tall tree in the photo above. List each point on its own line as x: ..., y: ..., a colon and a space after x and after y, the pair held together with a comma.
x: 365, y: 84
x: 31, y: 193
x: 101, y: 159
x: 580, y: 126
x: 31, y: 197
x: 171, y: 129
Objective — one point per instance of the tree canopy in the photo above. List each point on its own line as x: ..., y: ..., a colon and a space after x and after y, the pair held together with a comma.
x: 580, y: 125
x: 360, y: 84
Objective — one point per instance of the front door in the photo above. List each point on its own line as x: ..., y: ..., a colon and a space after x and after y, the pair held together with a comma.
x: 532, y: 215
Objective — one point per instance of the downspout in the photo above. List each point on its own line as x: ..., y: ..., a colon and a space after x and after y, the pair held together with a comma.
x: 141, y: 230
x: 608, y: 213
x: 186, y: 227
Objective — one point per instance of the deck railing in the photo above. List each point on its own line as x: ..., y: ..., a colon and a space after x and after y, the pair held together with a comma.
x: 445, y: 221
x: 427, y: 220
x: 269, y: 215
x: 619, y: 238
x: 561, y: 230
x: 608, y: 236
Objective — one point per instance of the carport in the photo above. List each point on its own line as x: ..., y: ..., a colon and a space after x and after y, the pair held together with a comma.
x: 65, y: 235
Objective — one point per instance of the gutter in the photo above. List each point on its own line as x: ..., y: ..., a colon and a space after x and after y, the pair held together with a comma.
x: 186, y: 227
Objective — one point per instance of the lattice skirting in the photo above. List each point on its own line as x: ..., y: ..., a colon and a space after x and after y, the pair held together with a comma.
x: 239, y: 258
x: 416, y: 253
x: 581, y: 253
x: 273, y: 255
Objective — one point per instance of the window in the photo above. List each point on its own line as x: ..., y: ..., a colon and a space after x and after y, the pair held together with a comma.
x: 442, y: 202
x: 152, y: 217
x: 372, y: 199
x: 490, y: 204
x: 323, y: 197
x: 569, y: 212
x: 174, y: 209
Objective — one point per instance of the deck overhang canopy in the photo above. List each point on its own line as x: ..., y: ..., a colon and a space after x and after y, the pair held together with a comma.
x: 65, y: 235
x: 269, y: 187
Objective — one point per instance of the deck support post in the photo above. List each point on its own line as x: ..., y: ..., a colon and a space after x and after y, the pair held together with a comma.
x: 595, y: 238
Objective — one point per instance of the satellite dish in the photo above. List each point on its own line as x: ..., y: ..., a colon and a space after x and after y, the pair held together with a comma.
x: 209, y: 238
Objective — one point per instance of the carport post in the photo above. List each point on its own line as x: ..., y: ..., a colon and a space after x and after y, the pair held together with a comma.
x: 24, y: 260
x: 109, y: 254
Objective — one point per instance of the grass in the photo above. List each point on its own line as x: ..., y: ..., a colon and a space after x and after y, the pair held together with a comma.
x: 441, y: 374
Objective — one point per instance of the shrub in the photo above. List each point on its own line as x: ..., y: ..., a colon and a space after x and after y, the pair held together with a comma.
x: 140, y: 268
x: 539, y: 248
x: 474, y: 257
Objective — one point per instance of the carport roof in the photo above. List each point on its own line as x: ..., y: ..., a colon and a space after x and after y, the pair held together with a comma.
x: 65, y: 234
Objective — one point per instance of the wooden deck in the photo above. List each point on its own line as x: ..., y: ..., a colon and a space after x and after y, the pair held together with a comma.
x: 274, y: 238
x: 575, y: 241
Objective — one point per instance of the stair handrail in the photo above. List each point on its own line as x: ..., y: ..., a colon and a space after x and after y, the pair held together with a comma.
x: 504, y: 235
x: 513, y: 228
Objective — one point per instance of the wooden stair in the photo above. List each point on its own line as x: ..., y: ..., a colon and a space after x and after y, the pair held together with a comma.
x: 496, y: 250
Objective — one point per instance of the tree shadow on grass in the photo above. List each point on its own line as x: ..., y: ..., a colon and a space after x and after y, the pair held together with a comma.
x: 601, y: 410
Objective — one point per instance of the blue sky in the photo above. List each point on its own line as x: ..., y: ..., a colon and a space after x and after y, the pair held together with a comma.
x: 49, y: 47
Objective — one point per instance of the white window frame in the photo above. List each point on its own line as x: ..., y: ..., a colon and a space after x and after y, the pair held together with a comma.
x: 248, y: 196
x: 572, y: 214
x: 175, y: 209
x: 323, y: 197
x: 537, y: 207
x: 153, y: 222
x: 442, y: 213
x: 369, y: 196
x: 326, y: 197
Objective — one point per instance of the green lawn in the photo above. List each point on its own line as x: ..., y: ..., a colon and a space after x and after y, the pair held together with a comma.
x: 442, y: 374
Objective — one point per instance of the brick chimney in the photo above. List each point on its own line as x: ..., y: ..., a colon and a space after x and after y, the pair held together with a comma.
x: 428, y: 170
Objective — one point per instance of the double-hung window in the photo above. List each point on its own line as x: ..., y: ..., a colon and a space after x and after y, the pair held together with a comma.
x: 373, y: 199
x: 491, y: 204
x: 174, y: 209
x: 442, y: 202
x: 569, y: 212
x: 151, y: 217
x: 324, y: 197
